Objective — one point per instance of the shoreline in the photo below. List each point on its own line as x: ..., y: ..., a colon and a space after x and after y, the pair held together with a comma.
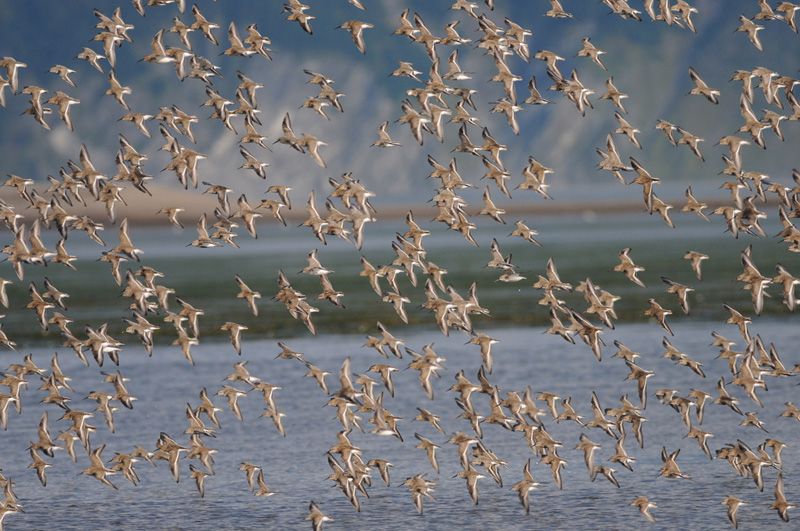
x: 142, y: 209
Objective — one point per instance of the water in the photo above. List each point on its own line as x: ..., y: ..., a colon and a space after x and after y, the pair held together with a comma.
x: 581, y: 244
x: 296, y: 466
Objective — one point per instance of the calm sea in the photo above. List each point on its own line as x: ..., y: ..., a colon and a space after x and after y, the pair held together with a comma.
x: 296, y: 466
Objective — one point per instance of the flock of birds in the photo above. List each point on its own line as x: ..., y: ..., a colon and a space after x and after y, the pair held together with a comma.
x: 439, y: 103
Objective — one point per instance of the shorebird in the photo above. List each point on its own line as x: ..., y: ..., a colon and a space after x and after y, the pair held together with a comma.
x: 92, y: 58
x: 788, y: 282
x: 414, y: 119
x: 138, y: 119
x: 692, y: 141
x: 505, y: 106
x: 385, y: 140
x: 64, y: 102
x: 525, y: 486
x: 406, y: 69
x: 789, y: 10
x: 277, y: 419
x: 641, y: 376
x: 733, y: 504
x: 627, y: 129
x: 172, y: 214
x: 356, y: 29
x: 39, y: 305
x: 12, y: 67
x: 627, y: 266
x: 426, y: 416
x: 681, y: 291
x: 142, y: 328
x: 40, y: 465
x: 553, y: 281
x: 702, y: 439
x: 751, y: 420
x: 263, y: 489
x: 248, y: 215
x: 63, y: 72
x: 419, y: 487
x: 117, y: 90
x: 289, y: 138
x: 625, y: 353
x: 644, y: 506
x: 237, y: 47
x: 685, y: 10
x: 5, y: 401
x: 383, y: 468
x: 287, y: 353
x: 588, y: 448
x: 701, y: 88
x: 614, y: 95
x: 535, y: 97
x: 252, y: 163
x: 589, y: 50
x: 725, y: 399
x: 318, y: 374
x: 312, y: 144
x: 430, y: 447
x: 693, y: 205
x: 752, y: 29
x: 780, y: 504
x: 668, y: 128
x: 295, y: 10
x: 425, y: 37
x: 557, y: 11
x: 233, y: 394
x: 611, y: 160
x: 660, y: 314
x: 200, y: 477
x: 589, y: 333
x: 455, y: 72
x: 472, y: 476
x: 535, y: 174
x: 406, y: 27
x: 485, y: 342
x: 696, y: 260
x: 752, y: 124
x: 556, y: 464
x: 317, y: 517
x: 98, y: 468
x: 248, y: 294
x: 526, y: 233
x: 777, y: 447
x: 204, y: 25
x: 126, y: 246
x: 208, y: 408
x: 315, y: 267
x: 235, y: 331
x: 250, y: 470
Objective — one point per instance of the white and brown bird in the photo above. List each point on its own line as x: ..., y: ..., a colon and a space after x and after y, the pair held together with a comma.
x: 356, y: 29
x: 644, y: 506
x: 589, y: 50
x: 384, y: 139
x: 681, y: 291
x: 701, y: 88
x: 696, y: 260
x: 317, y: 517
x: 733, y: 504
x: 752, y: 29
x: 627, y: 266
x: 660, y: 314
